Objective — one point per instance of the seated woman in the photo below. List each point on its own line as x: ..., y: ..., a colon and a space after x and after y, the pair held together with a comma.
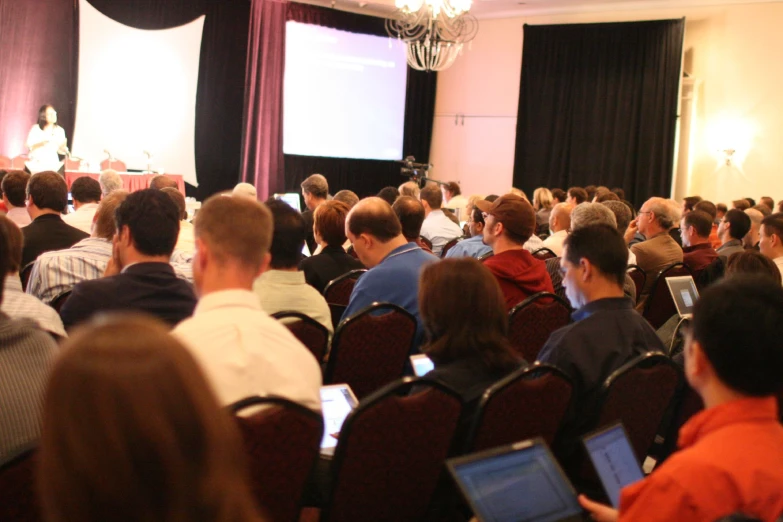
x: 329, y: 232
x: 132, y: 431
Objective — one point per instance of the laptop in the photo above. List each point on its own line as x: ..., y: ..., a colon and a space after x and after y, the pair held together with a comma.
x: 291, y: 198
x: 337, y: 401
x: 421, y: 365
x: 518, y: 483
x: 684, y: 293
x: 614, y: 460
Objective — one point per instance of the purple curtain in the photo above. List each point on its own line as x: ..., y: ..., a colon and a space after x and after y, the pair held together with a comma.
x: 262, y: 144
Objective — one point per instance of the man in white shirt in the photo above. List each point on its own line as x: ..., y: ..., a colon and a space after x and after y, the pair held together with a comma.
x: 14, y: 187
x: 242, y: 350
x: 771, y: 238
x: 454, y: 200
x: 559, y: 223
x: 437, y: 228
x: 86, y: 193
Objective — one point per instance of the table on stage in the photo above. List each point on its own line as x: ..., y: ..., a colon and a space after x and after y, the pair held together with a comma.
x: 131, y: 181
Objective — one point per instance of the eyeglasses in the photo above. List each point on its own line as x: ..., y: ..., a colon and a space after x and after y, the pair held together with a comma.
x: 646, y: 212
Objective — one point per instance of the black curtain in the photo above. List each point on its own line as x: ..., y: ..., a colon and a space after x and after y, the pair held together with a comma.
x: 366, y: 177
x: 598, y: 105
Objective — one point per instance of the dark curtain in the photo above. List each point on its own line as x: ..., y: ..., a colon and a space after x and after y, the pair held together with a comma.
x: 366, y: 177
x: 598, y: 105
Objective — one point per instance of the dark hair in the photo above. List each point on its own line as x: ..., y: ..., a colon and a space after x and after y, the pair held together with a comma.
x: 478, y: 216
x: 739, y: 221
x: 751, y: 201
x: 752, y: 262
x: 690, y: 202
x: 619, y: 192
x: 603, y: 196
x: 348, y: 197
x: 379, y: 221
x: 86, y: 190
x: 454, y: 188
x: 456, y: 330
x: 578, y: 193
x: 178, y: 199
x: 48, y: 190
x: 739, y: 323
x: 721, y: 207
x: 389, y: 194
x: 14, y: 186
x: 152, y: 219
x: 709, y: 207
x: 699, y: 220
x: 768, y: 201
x: 288, y: 235
x: 741, y: 204
x: 603, y: 246
x: 622, y: 213
x: 559, y: 194
x: 491, y: 198
x: 773, y: 224
x: 764, y: 209
x: 432, y: 195
x: 162, y: 181
x: 42, y: 116
x: 12, y: 241
x: 410, y: 212
x: 329, y: 221
x: 590, y: 189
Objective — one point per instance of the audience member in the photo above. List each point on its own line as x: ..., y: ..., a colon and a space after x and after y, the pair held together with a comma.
x: 730, y: 454
x: 764, y: 209
x: 491, y: 198
x: 473, y: 246
x: 619, y: 192
x: 542, y: 204
x: 162, y: 181
x: 771, y: 238
x: 47, y: 197
x: 710, y: 208
x: 720, y: 210
x: 283, y: 288
x: 389, y: 194
x: 245, y: 190
x: 519, y: 192
x: 410, y: 188
x: 348, y: 197
x: 689, y: 203
x: 751, y: 239
x: 558, y: 196
x: 437, y: 227
x: 622, y: 216
x: 14, y: 185
x: 454, y: 200
x: 109, y: 181
x: 138, y: 275
x: 601, y: 197
x: 132, y: 431
x: 697, y: 250
x: 242, y: 350
x: 741, y: 204
x: 590, y: 190
x: 559, y: 223
x: 509, y: 223
x: 410, y: 212
x: 315, y: 190
x: 753, y: 262
x: 3, y: 207
x: 86, y: 193
x: 675, y: 213
x: 658, y: 250
x: 767, y: 202
x: 576, y: 195
x: 732, y: 229
x: 185, y: 241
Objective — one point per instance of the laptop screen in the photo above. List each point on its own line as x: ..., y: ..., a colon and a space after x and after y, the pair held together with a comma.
x: 614, y: 460
x: 291, y: 198
x: 684, y: 293
x: 337, y: 401
x: 519, y: 483
x: 421, y: 364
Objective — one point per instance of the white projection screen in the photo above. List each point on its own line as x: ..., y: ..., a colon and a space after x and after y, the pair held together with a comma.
x: 344, y: 94
x: 137, y: 93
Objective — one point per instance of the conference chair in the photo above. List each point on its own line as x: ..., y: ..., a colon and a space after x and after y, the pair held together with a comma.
x: 426, y: 242
x: 391, y: 452
x: 687, y: 403
x: 660, y: 305
x: 5, y: 162
x: 486, y: 256
x: 639, y: 278
x: 18, y: 497
x: 531, y: 322
x: 338, y: 292
x: 60, y: 299
x: 310, y: 332
x: 544, y: 253
x: 115, y: 164
x: 282, y: 442
x: 448, y: 246
x: 24, y: 274
x: 529, y: 403
x: 370, y: 349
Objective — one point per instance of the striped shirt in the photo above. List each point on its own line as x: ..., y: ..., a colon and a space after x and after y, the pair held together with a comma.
x: 26, y: 356
x: 19, y: 305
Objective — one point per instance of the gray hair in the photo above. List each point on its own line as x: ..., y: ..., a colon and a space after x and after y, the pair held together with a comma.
x: 621, y: 213
x: 665, y: 214
x: 586, y: 214
x: 109, y: 181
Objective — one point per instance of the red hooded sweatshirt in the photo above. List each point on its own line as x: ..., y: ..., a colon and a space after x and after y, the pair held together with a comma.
x: 520, y: 275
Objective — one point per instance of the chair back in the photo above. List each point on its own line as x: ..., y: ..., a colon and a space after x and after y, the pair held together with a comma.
x: 310, y: 332
x: 116, y: 164
x: 370, y: 349
x: 639, y: 278
x: 426, y: 241
x: 638, y: 394
x: 338, y: 291
x: 391, y: 453
x: 24, y: 274
x: 282, y: 442
x: 532, y: 321
x: 60, y: 299
x: 448, y: 246
x: 5, y: 162
x: 544, y: 253
x: 486, y: 256
x: 18, y: 498
x: 529, y: 403
x: 660, y: 305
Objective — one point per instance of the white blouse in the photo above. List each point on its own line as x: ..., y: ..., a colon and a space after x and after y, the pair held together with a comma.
x: 45, y: 157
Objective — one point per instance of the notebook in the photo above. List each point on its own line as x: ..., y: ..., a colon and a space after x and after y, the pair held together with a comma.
x: 518, y: 483
x: 337, y: 401
x: 684, y: 293
x: 614, y: 460
x: 421, y: 364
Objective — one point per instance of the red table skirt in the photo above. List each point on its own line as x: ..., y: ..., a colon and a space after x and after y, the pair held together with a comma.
x: 130, y: 181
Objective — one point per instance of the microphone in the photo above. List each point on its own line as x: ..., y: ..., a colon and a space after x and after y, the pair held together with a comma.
x: 148, y: 154
x: 111, y: 158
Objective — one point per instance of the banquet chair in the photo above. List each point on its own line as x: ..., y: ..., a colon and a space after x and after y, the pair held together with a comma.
x: 310, y: 332
x: 659, y: 306
x: 531, y: 322
x: 18, y: 498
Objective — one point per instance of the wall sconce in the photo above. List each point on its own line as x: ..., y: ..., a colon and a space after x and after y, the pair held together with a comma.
x: 730, y: 138
x: 728, y: 153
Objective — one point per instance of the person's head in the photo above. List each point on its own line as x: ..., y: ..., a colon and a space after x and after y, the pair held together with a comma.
x: 734, y: 339
x: 3, y: 172
x: 471, y: 205
x: 245, y: 190
x: 85, y: 190
x: 109, y: 181
x: 689, y: 203
x: 594, y: 262
x: 12, y: 236
x: 695, y: 228
x: 771, y: 236
x: 162, y: 181
x: 592, y: 214
x: 456, y: 331
x: 329, y: 223
x: 741, y: 204
x: 762, y: 209
x: 389, y: 194
x: 752, y: 237
x: 105, y: 224
x: 476, y: 218
x: 410, y: 212
x: 751, y: 201
x: 708, y: 207
x: 604, y: 196
x: 560, y: 217
x: 288, y: 237
x: 431, y: 197
x: 410, y: 188
x: 46, y: 116
x: 622, y: 214
x: 734, y: 225
x: 147, y: 226
x: 178, y: 199
x: 14, y: 186
x: 768, y: 202
x: 558, y: 196
x: 620, y: 193
x: 112, y: 449
x: 315, y: 189
x: 374, y: 230
x: 46, y: 191
x: 450, y: 190
x: 542, y: 199
x: 509, y: 223
x: 752, y: 262
x: 577, y: 195
x: 519, y: 192
x: 348, y: 197
x: 720, y: 210
x: 491, y: 198
x: 655, y: 217
x: 591, y: 190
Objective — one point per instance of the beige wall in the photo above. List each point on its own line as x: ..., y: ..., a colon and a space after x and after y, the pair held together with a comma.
x: 733, y: 50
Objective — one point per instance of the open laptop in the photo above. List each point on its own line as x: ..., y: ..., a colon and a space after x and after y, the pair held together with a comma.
x: 684, y: 293
x: 518, y: 483
x: 337, y: 401
x: 614, y: 460
x: 291, y: 198
x: 421, y: 364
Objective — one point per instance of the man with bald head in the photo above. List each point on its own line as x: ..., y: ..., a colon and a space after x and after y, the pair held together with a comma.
x: 394, y: 263
x: 559, y: 223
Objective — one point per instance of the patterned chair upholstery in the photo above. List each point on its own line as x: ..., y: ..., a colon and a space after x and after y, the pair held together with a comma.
x: 532, y: 321
x: 282, y: 442
x: 18, y: 498
x: 310, y: 332
x: 544, y: 253
x: 371, y: 348
x: 660, y: 305
x: 338, y: 291
x: 639, y: 278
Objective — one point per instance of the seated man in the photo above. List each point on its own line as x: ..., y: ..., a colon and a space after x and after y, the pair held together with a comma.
x: 109, y: 181
x: 771, y: 239
x: 58, y: 271
x: 659, y: 249
x: 559, y: 223
x: 47, y: 198
x: 509, y: 223
x: 185, y: 241
x: 162, y: 181
x: 283, y: 288
x: 437, y: 227
x: 606, y: 331
x: 751, y: 239
x: 473, y: 246
x: 86, y: 193
x: 14, y: 185
x: 138, y: 276
x: 315, y: 190
x: 733, y: 227
x: 410, y: 212
x: 697, y: 250
x: 243, y: 351
x: 731, y: 454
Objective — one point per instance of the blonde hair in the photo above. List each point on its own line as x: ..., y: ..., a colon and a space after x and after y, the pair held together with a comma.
x: 542, y: 199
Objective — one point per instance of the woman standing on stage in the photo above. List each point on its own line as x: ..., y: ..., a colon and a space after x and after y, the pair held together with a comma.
x: 46, y: 140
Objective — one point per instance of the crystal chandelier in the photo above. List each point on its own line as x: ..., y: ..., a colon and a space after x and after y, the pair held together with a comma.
x: 433, y: 30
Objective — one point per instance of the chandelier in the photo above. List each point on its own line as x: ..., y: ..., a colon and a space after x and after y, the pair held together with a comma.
x: 434, y: 31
